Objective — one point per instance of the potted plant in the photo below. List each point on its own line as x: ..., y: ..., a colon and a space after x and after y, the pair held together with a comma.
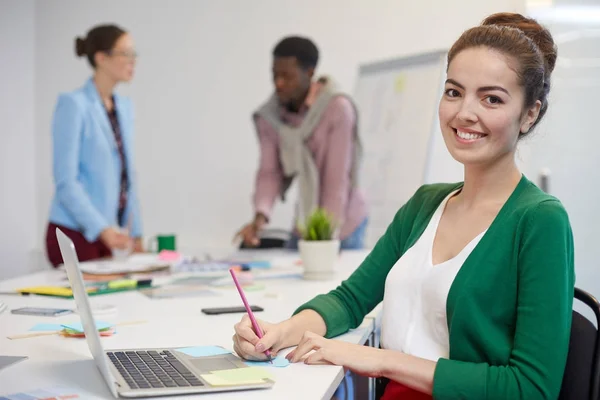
x: 318, y: 245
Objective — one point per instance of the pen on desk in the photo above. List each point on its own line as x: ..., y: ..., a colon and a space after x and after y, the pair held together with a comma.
x: 124, y: 284
x: 15, y: 293
x: 255, y: 325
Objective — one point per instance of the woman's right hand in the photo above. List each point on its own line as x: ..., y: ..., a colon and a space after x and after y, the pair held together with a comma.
x: 248, y: 346
x: 113, y: 239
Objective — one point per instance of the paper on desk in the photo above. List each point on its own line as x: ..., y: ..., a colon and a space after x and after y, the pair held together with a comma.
x: 47, y: 327
x: 215, y: 380
x: 44, y: 394
x: 177, y: 291
x: 279, y: 362
x: 77, y: 327
x: 243, y: 374
x: 134, y: 263
x: 203, y: 351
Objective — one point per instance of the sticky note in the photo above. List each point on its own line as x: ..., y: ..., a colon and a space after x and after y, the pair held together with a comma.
x: 253, y: 288
x: 204, y: 351
x: 258, y: 264
x: 169, y: 255
x: 243, y: 374
x: 76, y: 326
x: 215, y: 380
x: 279, y: 362
x: 46, y: 327
x: 399, y: 83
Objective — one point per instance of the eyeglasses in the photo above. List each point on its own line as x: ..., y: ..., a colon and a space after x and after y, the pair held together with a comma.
x: 132, y: 55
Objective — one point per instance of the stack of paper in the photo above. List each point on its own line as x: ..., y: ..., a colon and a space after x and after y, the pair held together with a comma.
x: 135, y: 263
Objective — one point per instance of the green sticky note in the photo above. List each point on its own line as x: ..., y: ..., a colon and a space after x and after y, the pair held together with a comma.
x: 78, y: 327
x: 243, y: 374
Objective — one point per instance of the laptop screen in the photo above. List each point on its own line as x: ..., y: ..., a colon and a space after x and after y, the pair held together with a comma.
x: 71, y: 263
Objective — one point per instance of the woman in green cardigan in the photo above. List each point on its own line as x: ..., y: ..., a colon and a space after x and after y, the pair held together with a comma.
x: 476, y: 278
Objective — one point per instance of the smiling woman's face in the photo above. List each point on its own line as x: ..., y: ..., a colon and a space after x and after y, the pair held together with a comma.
x: 482, y: 109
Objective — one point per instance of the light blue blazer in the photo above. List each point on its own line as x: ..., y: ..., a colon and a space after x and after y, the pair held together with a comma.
x: 86, y: 163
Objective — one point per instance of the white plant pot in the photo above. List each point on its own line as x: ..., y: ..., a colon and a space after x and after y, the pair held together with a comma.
x: 319, y: 258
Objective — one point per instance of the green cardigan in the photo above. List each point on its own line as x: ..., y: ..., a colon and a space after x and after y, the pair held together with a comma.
x: 508, y: 309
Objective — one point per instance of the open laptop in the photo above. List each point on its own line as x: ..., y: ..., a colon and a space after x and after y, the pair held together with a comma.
x: 145, y: 372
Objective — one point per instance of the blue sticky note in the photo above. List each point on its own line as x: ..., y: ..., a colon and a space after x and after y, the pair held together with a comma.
x: 77, y: 327
x: 47, y: 327
x: 203, y: 351
x: 259, y: 264
x: 279, y: 362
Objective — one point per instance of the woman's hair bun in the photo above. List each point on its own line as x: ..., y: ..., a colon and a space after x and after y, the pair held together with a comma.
x: 80, y: 47
x: 532, y: 29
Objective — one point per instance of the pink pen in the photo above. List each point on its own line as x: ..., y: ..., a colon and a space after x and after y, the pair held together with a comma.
x: 255, y: 325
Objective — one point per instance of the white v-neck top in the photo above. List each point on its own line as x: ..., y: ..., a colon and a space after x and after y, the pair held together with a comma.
x: 414, y: 301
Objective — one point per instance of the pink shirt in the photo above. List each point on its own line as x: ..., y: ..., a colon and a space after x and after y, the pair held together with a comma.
x: 332, y: 147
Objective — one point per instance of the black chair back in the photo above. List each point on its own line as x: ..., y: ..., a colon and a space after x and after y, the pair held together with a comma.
x: 581, y: 379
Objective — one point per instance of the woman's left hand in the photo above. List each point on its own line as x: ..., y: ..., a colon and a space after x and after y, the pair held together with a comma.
x: 363, y: 360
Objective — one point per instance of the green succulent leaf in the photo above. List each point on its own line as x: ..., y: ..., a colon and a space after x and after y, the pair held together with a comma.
x: 319, y: 225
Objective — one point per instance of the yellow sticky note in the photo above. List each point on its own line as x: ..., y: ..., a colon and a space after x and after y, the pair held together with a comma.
x: 243, y: 374
x: 399, y: 83
x: 215, y: 380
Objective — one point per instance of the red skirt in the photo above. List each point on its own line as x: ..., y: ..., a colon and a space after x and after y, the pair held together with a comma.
x: 85, y: 250
x: 397, y: 391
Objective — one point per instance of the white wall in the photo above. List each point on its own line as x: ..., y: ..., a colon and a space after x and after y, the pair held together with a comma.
x: 18, y: 233
x: 204, y: 67
x: 567, y: 140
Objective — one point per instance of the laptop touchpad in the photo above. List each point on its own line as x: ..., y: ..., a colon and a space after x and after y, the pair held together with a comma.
x: 215, y: 364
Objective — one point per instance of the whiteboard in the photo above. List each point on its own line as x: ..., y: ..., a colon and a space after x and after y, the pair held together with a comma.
x: 397, y: 102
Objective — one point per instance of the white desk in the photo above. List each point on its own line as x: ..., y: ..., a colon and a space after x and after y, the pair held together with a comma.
x: 55, y: 360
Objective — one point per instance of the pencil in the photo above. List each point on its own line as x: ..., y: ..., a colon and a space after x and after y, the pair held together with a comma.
x: 255, y: 325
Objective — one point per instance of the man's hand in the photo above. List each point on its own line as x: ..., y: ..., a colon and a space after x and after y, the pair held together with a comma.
x: 250, y: 232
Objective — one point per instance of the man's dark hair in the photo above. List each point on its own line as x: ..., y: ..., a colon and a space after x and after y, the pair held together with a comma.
x: 303, y: 49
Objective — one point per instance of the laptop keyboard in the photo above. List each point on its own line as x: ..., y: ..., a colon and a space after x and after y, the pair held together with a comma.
x: 151, y: 369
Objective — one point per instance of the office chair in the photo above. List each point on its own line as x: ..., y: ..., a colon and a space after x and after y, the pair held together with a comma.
x: 581, y: 379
